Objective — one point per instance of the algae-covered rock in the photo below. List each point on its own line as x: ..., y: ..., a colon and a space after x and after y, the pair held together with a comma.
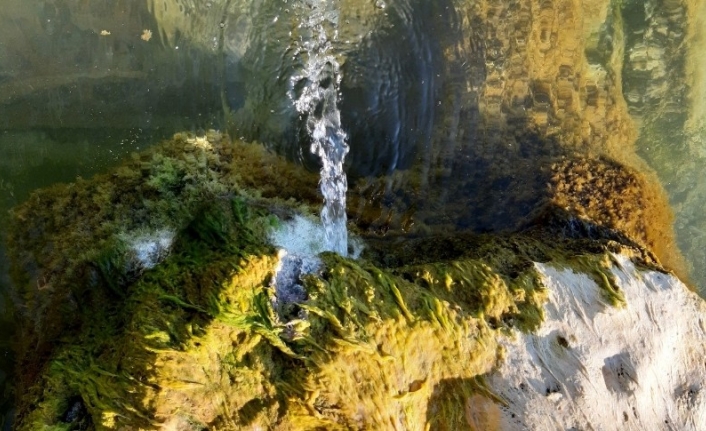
x: 76, y: 248
x: 195, y: 342
x: 146, y: 301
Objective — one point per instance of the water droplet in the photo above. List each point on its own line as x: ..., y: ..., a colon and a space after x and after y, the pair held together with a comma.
x: 380, y: 4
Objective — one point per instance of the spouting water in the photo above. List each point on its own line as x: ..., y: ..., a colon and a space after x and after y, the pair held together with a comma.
x: 314, y: 91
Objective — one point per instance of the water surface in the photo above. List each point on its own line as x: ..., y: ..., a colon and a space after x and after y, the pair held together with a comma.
x: 455, y: 112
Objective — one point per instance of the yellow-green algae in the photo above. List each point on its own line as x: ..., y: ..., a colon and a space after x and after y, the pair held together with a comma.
x: 400, y: 339
x: 201, y: 344
x: 65, y: 240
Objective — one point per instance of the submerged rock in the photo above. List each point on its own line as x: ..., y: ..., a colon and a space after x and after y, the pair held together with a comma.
x: 419, y: 332
x: 77, y: 248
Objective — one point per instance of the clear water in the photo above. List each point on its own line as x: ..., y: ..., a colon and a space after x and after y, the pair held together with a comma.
x: 432, y: 111
x: 315, y: 91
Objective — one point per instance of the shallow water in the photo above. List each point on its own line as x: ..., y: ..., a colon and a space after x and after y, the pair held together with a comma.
x: 455, y: 111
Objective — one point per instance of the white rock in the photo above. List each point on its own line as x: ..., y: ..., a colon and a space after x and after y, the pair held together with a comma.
x: 640, y: 367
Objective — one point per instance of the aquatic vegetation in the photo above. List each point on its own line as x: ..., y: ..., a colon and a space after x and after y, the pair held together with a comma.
x: 149, y: 296
x: 200, y: 343
x: 193, y: 335
x: 68, y: 242
x: 148, y: 249
x: 197, y: 340
x: 585, y: 197
x: 617, y: 197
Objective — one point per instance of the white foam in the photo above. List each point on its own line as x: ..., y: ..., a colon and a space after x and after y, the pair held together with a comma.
x: 300, y: 241
x: 303, y: 237
x: 148, y: 249
x: 299, y: 236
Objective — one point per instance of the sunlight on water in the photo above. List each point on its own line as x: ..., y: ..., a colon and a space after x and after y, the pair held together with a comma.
x: 314, y: 91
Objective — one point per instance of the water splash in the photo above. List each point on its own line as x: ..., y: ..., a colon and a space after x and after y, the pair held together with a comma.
x: 314, y: 91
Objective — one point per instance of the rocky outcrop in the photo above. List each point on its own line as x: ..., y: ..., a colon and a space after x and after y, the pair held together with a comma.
x: 147, y: 296
x: 155, y: 307
x: 68, y: 239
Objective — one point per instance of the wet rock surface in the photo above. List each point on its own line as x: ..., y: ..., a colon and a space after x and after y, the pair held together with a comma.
x: 662, y: 87
x: 595, y: 366
x: 203, y: 339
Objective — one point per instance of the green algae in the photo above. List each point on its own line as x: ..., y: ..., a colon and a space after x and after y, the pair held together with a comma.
x: 368, y: 325
x: 362, y: 322
x: 204, y: 344
x: 402, y: 336
x: 69, y: 244
x: 597, y: 267
x: 162, y: 312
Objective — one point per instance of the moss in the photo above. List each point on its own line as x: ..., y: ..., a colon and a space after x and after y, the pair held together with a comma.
x: 364, y: 365
x: 400, y: 337
x: 197, y: 338
x: 201, y: 340
x: 69, y: 243
x: 584, y: 197
x: 202, y: 343
x: 496, y: 273
x: 110, y: 366
x: 598, y: 268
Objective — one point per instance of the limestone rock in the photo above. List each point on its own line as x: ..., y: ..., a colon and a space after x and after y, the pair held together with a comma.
x: 638, y: 366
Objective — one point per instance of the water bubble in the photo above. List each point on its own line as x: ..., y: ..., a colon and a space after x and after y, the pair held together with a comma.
x: 380, y: 4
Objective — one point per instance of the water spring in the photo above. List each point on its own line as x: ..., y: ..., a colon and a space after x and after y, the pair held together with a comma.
x: 314, y: 91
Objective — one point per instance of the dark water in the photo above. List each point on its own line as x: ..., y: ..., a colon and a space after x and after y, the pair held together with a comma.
x: 449, y: 103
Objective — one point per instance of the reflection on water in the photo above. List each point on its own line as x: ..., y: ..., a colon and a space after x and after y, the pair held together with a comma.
x: 663, y: 87
x: 458, y: 114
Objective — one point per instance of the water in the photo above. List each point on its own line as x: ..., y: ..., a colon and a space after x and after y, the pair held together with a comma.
x: 314, y: 92
x: 422, y: 116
